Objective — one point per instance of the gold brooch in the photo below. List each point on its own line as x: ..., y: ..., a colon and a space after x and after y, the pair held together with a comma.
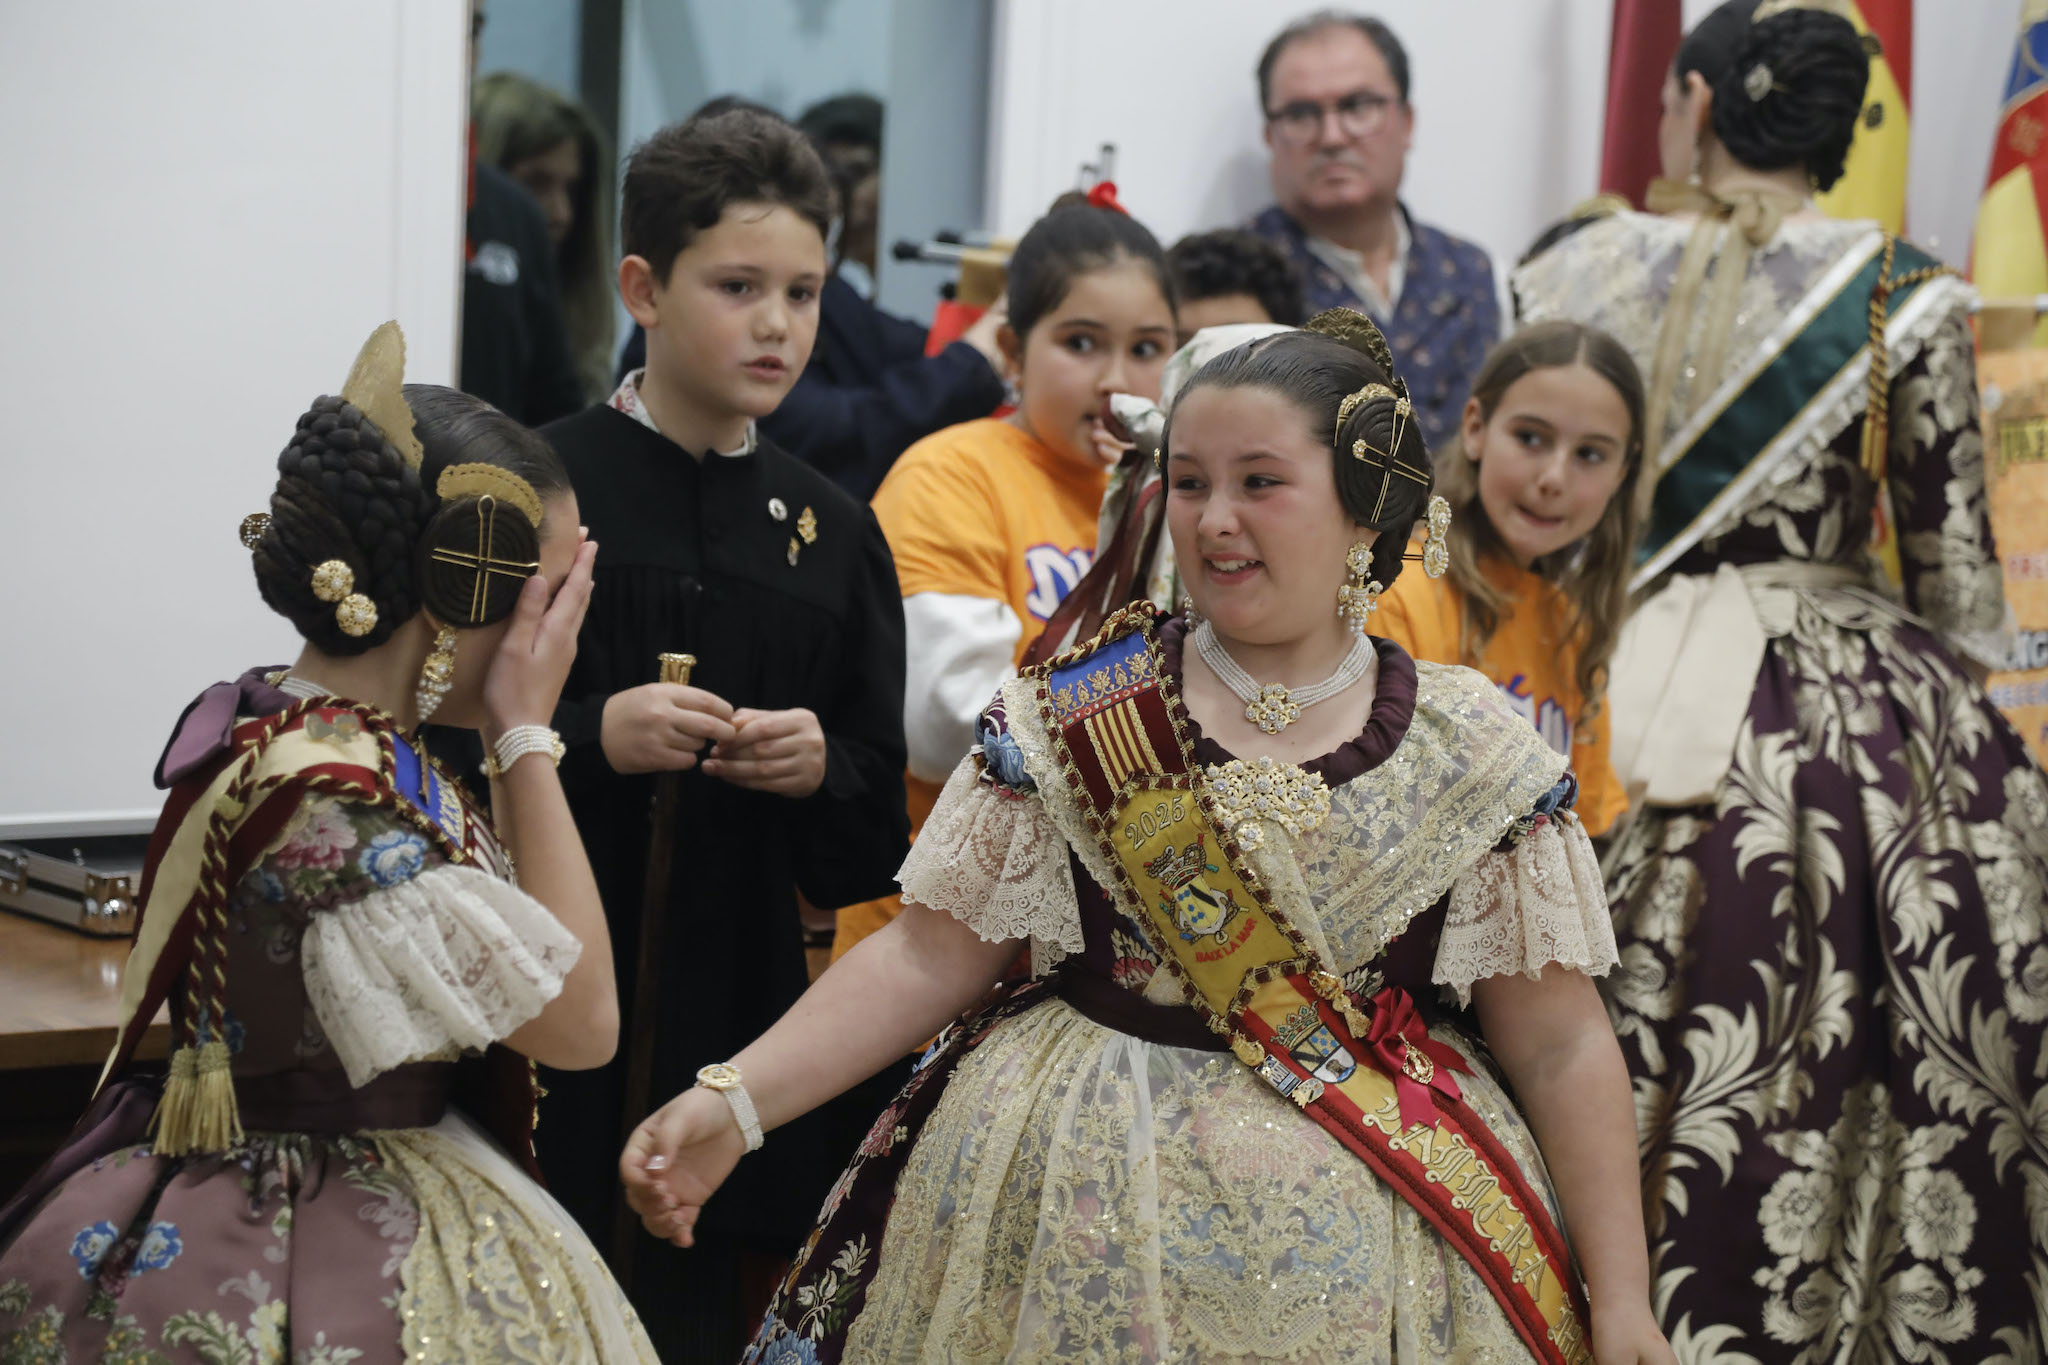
x: 807, y: 526
x: 1250, y: 791
x: 252, y: 529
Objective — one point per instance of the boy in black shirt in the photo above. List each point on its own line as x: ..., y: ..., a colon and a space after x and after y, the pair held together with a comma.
x: 788, y: 744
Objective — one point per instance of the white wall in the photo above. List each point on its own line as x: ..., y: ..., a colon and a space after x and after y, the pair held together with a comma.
x: 1509, y: 97
x: 211, y: 205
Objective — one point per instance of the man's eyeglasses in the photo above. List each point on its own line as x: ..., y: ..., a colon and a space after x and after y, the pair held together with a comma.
x: 1359, y: 114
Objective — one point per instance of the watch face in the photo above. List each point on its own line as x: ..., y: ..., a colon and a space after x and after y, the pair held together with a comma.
x: 719, y: 1076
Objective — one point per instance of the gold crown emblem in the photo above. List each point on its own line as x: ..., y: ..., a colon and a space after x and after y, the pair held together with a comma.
x: 1297, y: 1026
x: 1177, y: 867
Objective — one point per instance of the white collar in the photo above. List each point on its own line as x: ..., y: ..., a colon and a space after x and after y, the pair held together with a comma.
x: 626, y: 398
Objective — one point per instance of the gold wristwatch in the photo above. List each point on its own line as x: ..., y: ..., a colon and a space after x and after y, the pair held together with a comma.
x: 724, y: 1078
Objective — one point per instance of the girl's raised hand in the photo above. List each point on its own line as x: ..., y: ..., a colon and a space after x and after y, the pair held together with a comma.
x: 533, y: 661
x: 676, y: 1158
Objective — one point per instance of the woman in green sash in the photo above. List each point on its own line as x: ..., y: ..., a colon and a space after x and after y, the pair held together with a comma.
x: 1830, y: 903
x: 1243, y: 1111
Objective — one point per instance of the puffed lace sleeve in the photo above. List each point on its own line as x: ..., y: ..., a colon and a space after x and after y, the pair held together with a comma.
x: 1535, y: 899
x: 991, y: 857
x: 412, y: 958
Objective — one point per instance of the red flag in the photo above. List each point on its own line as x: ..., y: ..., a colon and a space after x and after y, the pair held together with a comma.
x: 1640, y: 49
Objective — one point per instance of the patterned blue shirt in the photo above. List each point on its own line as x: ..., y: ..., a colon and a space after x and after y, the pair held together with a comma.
x: 1446, y: 320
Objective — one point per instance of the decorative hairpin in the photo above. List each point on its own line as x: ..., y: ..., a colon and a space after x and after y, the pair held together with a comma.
x: 252, y: 529
x: 1759, y: 83
x: 334, y: 581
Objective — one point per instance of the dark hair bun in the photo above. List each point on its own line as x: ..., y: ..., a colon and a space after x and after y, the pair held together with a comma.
x: 343, y: 492
x: 475, y: 557
x: 1793, y: 94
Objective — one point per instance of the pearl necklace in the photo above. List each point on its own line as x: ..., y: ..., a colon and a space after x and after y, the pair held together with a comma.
x: 1273, y: 707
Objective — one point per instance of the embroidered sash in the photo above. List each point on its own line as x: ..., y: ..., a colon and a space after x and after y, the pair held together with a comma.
x: 1820, y: 354
x: 1374, y: 1080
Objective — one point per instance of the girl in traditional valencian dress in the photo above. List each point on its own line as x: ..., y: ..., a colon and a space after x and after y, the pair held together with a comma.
x: 1292, y: 940
x: 337, y: 1169
x: 1834, y: 938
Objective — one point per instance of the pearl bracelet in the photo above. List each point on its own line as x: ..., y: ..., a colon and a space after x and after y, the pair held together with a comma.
x: 519, y: 741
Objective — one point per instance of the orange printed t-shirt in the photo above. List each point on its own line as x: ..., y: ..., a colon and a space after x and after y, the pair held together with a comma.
x: 1528, y: 658
x: 982, y: 509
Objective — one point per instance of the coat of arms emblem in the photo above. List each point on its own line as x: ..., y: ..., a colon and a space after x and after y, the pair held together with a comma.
x: 1196, y: 907
x: 1310, y: 1042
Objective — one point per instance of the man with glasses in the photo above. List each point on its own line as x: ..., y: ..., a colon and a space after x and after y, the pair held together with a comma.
x: 1334, y: 88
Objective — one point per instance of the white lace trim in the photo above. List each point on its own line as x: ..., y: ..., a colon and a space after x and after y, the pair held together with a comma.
x: 1521, y: 909
x: 451, y: 960
x: 999, y: 865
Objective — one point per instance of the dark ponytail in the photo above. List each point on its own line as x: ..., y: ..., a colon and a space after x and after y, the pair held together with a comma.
x: 1788, y: 88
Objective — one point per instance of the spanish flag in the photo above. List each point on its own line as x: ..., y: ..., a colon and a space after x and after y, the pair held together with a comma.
x: 2008, y: 258
x: 1873, y: 183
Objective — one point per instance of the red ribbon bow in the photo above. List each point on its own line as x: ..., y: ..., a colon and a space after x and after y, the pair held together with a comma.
x: 1417, y: 1062
x: 1103, y: 196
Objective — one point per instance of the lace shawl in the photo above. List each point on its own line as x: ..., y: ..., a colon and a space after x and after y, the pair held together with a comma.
x: 1617, y: 275
x: 1422, y: 823
x: 447, y: 961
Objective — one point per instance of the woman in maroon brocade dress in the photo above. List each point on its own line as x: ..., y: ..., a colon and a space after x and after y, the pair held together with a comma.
x: 1834, y: 944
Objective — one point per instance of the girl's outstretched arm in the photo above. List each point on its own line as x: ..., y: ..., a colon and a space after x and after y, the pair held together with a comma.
x: 895, y: 989
x: 1552, y: 1038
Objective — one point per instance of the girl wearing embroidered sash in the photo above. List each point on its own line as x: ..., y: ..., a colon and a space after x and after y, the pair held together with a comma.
x: 1830, y: 902
x: 1243, y: 1111
x: 338, y: 1166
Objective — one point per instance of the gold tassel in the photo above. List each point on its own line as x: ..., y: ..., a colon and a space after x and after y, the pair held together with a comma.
x: 171, y: 1125
x: 198, y: 1112
x: 216, y: 1117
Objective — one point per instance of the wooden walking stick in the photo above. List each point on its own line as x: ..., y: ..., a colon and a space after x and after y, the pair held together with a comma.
x: 661, y: 820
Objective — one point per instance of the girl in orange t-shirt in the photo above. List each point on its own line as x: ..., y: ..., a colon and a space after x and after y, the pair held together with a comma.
x: 993, y: 522
x: 1542, y: 539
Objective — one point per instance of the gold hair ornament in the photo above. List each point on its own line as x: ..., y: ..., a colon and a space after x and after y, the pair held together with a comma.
x: 489, y: 481
x: 1353, y: 401
x: 252, y: 529
x: 334, y: 581
x: 376, y: 385
x: 484, y: 561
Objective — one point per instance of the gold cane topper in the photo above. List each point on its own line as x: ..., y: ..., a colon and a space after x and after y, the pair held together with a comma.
x: 675, y: 668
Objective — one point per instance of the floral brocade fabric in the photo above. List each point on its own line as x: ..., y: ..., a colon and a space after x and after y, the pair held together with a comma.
x: 1834, y: 976
x: 356, y: 952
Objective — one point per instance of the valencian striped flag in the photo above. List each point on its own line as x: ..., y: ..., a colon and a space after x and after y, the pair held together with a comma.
x: 2009, y: 257
x: 1873, y: 183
